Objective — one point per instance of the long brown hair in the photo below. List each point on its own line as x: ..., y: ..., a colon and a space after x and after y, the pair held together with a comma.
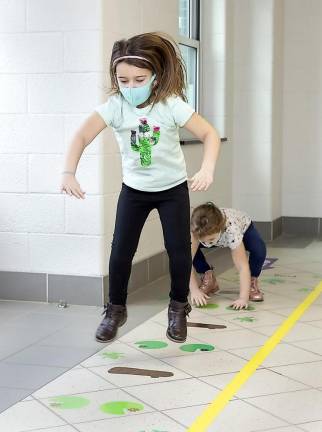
x: 207, y: 219
x: 163, y: 59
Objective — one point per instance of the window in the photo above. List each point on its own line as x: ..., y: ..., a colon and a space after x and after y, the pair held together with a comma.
x: 189, y: 12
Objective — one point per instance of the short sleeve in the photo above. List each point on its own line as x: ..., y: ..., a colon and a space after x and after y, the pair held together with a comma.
x: 235, y: 237
x: 181, y: 111
x: 108, y: 110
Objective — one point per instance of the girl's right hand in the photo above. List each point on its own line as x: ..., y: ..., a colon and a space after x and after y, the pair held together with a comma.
x: 71, y: 186
x: 239, y: 304
x: 198, y: 298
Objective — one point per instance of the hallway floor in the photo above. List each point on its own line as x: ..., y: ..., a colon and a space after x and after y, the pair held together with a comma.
x: 43, y: 344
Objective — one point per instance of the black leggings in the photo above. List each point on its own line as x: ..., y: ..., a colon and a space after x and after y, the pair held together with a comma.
x: 132, y: 211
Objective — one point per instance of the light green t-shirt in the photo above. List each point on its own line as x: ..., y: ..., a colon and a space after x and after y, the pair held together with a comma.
x: 152, y: 158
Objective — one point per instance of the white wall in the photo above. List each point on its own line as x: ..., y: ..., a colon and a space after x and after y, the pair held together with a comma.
x: 51, y: 78
x: 53, y: 60
x: 216, y: 93
x: 302, y: 116
x: 277, y: 113
x: 256, y: 106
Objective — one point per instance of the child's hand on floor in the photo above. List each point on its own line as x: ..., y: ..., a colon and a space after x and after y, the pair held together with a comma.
x: 198, y: 298
x: 240, y: 304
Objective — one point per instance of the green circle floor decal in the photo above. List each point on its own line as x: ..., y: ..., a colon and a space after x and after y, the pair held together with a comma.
x: 196, y: 347
x: 209, y: 306
x: 245, y: 319
x: 273, y: 280
x: 121, y: 407
x: 112, y: 355
x: 69, y: 402
x: 150, y: 344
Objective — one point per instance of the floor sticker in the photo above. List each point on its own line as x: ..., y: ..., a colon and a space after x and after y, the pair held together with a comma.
x: 69, y: 402
x: 121, y: 407
x: 245, y: 319
x: 112, y: 355
x: 209, y: 306
x: 150, y: 344
x: 208, y: 326
x: 274, y: 280
x: 268, y: 263
x: 143, y: 372
x: 197, y: 347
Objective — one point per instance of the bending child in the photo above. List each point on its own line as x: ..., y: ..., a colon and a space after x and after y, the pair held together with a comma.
x: 226, y: 227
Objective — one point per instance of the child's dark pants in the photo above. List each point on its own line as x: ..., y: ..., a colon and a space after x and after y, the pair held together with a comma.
x: 253, y: 243
x: 132, y: 211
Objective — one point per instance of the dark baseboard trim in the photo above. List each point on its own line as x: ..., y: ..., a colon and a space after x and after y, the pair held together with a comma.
x: 302, y: 226
x: 93, y: 291
x: 82, y: 290
x: 270, y: 230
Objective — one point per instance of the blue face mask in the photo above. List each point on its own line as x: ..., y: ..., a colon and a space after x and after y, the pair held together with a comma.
x: 137, y: 95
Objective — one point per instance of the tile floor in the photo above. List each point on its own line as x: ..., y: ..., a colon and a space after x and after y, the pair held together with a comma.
x: 283, y: 395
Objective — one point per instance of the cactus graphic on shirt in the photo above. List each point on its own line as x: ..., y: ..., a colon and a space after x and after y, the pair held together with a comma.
x: 146, y: 139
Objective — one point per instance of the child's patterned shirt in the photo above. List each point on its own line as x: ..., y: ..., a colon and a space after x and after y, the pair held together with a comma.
x: 236, y: 225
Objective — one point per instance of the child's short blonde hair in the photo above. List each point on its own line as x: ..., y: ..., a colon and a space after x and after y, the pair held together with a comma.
x: 207, y: 219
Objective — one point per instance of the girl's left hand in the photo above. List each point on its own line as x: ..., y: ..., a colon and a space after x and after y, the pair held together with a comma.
x: 239, y: 304
x: 201, y: 180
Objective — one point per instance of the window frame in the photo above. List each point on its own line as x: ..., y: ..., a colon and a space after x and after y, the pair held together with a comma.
x: 193, y: 41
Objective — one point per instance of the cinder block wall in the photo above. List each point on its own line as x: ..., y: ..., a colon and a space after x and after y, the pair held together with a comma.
x: 51, y: 78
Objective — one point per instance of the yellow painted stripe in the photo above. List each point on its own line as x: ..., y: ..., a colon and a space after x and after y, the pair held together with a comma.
x: 217, y: 405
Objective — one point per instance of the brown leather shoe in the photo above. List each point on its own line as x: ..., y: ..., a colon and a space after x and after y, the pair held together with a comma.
x: 115, y: 317
x: 209, y: 284
x: 255, y: 293
x: 177, y: 328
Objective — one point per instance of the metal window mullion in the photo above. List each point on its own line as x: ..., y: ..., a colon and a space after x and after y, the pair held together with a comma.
x: 194, y: 17
x: 189, y: 42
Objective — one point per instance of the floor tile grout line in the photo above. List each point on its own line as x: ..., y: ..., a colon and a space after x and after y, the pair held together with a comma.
x: 34, y: 343
x: 273, y: 415
x: 167, y: 363
x: 128, y: 416
x: 305, y: 349
x: 268, y: 394
x: 72, y: 424
x: 223, y: 350
x: 52, y: 412
x: 213, y: 410
x: 288, y: 342
x: 234, y: 400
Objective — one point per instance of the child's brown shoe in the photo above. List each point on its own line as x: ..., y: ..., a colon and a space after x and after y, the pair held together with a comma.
x: 177, y: 318
x: 115, y: 317
x: 209, y: 284
x: 255, y: 293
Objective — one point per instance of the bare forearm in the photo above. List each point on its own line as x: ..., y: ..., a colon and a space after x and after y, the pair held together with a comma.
x: 194, y: 285
x: 244, y: 281
x: 74, y: 153
x: 211, y: 150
